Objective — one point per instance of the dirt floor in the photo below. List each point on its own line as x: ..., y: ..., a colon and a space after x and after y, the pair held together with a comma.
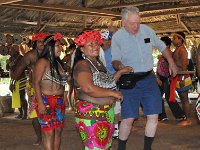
x: 19, y: 135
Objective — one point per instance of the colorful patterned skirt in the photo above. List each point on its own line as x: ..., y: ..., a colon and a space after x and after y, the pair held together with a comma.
x: 31, y: 101
x: 55, y: 113
x: 95, y: 124
x: 198, y: 107
x: 187, y: 83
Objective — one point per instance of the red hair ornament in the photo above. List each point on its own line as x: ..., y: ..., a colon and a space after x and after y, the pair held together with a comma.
x: 39, y: 36
x: 88, y: 35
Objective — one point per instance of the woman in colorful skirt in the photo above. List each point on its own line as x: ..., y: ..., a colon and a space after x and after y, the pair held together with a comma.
x: 49, y: 81
x: 198, y: 75
x: 96, y: 93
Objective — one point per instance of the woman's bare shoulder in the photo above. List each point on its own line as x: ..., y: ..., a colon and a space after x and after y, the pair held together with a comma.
x: 82, y: 63
x: 42, y: 62
x: 82, y: 66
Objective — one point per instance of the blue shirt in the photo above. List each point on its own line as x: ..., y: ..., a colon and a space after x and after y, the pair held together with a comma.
x: 108, y: 58
x: 136, y: 50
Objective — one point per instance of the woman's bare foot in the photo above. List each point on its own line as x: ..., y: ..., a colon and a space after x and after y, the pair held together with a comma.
x: 38, y: 142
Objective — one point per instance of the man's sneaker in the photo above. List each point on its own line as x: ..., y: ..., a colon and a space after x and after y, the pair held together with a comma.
x: 182, y: 118
x: 116, y: 132
x: 24, y: 117
x: 19, y: 116
x: 163, y: 119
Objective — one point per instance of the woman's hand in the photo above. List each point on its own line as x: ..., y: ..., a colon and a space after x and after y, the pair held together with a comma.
x: 124, y: 70
x: 42, y: 108
x: 12, y: 87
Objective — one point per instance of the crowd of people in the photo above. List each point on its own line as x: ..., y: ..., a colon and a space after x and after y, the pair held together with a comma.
x: 105, y: 88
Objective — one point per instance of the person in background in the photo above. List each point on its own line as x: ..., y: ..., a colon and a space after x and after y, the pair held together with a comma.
x: 96, y: 93
x: 198, y: 75
x: 28, y: 61
x: 163, y: 77
x: 67, y: 63
x: 49, y: 83
x: 184, y: 82
x: 132, y: 46
x: 106, y: 36
x: 18, y: 85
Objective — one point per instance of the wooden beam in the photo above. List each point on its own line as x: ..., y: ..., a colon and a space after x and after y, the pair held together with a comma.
x: 39, y: 20
x: 49, y: 23
x: 167, y: 8
x: 9, y: 1
x: 178, y: 19
x: 171, y: 12
x: 144, y: 2
x: 42, y: 28
x: 62, y: 9
x: 85, y: 21
x: 186, y: 28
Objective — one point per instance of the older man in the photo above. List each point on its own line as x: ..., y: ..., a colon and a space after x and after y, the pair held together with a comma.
x: 132, y: 46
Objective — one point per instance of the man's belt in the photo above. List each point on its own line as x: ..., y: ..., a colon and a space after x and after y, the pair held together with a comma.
x: 128, y: 81
x: 141, y: 75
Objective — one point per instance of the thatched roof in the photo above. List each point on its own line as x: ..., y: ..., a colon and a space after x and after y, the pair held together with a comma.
x: 71, y: 16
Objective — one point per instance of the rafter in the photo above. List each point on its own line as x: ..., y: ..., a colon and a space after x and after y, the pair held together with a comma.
x: 185, y: 27
x: 167, y: 8
x: 42, y: 28
x: 170, y: 12
x: 179, y: 21
x: 62, y: 9
x: 144, y: 2
x: 9, y: 1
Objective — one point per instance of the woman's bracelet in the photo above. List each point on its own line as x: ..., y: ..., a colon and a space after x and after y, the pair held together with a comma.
x: 13, y: 81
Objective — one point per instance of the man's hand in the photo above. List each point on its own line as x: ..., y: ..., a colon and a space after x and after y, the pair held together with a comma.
x: 173, y: 70
x: 159, y: 82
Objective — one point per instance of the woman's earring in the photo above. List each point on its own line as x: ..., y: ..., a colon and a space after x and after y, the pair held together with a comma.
x: 83, y: 55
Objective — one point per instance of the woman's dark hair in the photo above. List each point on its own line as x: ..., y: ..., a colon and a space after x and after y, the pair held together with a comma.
x: 77, y: 57
x: 72, y: 46
x: 166, y: 40
x: 34, y: 44
x: 49, y: 53
x: 182, y: 34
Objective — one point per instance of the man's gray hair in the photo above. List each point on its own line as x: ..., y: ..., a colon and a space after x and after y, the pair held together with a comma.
x: 125, y: 12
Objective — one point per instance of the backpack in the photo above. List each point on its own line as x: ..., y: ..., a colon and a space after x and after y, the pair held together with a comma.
x: 163, y: 67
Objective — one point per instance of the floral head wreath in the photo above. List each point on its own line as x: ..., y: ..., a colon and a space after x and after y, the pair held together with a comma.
x: 39, y: 36
x: 57, y: 36
x: 88, y: 35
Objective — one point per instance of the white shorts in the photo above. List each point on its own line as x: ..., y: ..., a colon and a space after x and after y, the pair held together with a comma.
x: 117, y: 107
